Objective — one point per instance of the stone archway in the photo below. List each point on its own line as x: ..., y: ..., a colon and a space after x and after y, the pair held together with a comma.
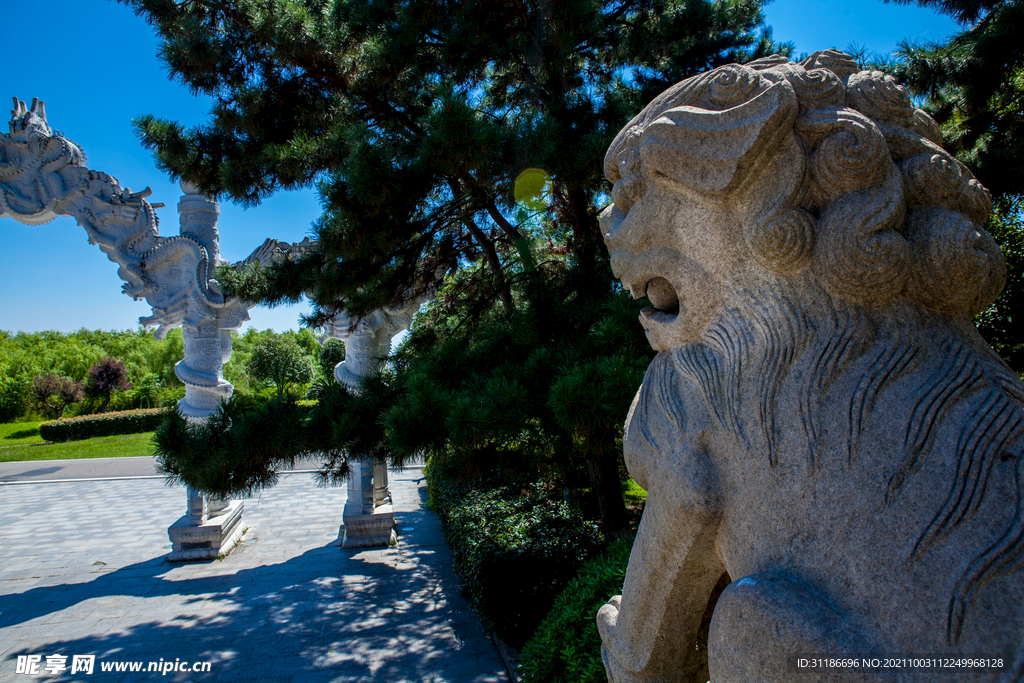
x: 43, y: 175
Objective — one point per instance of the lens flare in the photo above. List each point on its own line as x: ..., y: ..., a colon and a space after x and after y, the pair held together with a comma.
x: 532, y: 188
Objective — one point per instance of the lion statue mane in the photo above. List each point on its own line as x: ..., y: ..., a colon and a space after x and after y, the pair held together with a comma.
x: 823, y: 432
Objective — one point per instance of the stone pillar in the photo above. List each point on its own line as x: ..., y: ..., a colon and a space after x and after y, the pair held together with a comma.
x: 354, y: 487
x: 369, y: 515
x: 365, y: 346
x: 194, y: 509
x: 171, y: 273
x: 201, y: 370
x: 381, y: 492
x: 366, y: 486
x: 198, y: 216
x: 212, y: 526
x: 362, y: 352
x: 365, y: 525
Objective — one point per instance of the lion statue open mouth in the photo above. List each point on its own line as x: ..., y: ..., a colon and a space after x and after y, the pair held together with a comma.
x: 823, y: 425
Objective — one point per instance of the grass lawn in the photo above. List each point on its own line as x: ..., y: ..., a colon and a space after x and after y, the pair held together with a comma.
x: 21, y: 441
x: 632, y: 494
x: 17, y: 433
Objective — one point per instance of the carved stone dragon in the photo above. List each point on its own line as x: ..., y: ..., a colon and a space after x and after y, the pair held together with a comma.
x: 43, y: 175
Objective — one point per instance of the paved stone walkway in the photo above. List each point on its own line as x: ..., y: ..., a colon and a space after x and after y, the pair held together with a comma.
x: 82, y: 572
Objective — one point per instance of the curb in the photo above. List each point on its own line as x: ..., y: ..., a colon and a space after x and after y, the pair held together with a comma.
x: 509, y: 657
x: 141, y: 476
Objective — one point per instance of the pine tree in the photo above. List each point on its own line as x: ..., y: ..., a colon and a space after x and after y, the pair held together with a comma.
x: 973, y: 84
x: 974, y: 87
x: 414, y: 119
x: 444, y: 137
x: 998, y: 323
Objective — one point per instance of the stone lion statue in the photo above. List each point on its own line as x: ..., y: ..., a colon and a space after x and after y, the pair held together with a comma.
x: 823, y: 427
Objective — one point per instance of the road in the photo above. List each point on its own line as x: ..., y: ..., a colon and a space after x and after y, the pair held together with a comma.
x: 93, y: 468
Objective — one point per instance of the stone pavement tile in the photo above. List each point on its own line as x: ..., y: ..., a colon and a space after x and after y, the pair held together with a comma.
x: 6, y: 647
x: 21, y: 566
x: 276, y: 608
x: 22, y: 574
x: 16, y: 585
x: 114, y: 626
x: 392, y: 665
x: 78, y: 612
x: 49, y: 631
x: 7, y: 561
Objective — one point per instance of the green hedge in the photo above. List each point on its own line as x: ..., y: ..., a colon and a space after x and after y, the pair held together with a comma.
x: 103, y: 424
x: 514, y: 549
x: 567, y: 647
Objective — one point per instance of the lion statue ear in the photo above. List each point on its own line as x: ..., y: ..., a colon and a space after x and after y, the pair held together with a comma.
x: 714, y: 152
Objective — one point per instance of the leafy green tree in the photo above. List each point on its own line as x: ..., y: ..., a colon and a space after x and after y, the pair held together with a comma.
x: 72, y: 355
x: 26, y: 355
x: 41, y: 353
x: 306, y: 340
x: 280, y: 360
x: 331, y: 353
x: 236, y: 370
x: 169, y: 354
x: 14, y: 397
x: 147, y: 392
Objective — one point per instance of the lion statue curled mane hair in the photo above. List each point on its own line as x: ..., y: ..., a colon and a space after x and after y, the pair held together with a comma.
x: 823, y: 422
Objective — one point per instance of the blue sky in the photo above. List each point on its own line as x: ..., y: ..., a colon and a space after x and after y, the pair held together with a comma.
x: 94, y: 64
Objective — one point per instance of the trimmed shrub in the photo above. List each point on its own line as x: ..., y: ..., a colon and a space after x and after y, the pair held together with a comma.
x: 104, y: 424
x: 513, y: 547
x: 567, y: 647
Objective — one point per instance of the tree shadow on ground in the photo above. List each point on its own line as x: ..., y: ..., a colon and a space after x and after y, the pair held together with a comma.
x: 38, y: 472
x: 382, y: 615
x: 22, y: 434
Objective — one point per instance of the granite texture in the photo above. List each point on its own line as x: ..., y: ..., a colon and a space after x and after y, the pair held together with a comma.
x: 822, y: 424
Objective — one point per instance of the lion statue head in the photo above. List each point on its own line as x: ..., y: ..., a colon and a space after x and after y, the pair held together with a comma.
x: 814, y: 259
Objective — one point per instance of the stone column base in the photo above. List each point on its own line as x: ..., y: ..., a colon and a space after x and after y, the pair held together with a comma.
x: 364, y: 530
x: 208, y: 541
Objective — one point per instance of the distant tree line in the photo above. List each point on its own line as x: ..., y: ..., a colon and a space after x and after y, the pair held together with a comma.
x: 51, y: 374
